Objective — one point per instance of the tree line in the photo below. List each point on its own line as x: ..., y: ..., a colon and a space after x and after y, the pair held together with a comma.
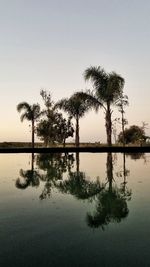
x: 51, y: 126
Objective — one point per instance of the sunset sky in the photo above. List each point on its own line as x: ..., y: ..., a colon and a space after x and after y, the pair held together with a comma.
x: 48, y: 44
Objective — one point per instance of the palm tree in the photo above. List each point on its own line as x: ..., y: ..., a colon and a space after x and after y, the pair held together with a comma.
x: 75, y: 108
x: 30, y: 113
x: 108, y: 87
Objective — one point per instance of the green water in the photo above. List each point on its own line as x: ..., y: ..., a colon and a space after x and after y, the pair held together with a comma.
x: 74, y: 210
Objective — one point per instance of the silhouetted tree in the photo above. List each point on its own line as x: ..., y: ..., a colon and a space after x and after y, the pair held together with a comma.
x: 121, y: 103
x: 108, y: 87
x: 133, y: 134
x: 30, y: 113
x: 75, y: 108
x: 54, y: 128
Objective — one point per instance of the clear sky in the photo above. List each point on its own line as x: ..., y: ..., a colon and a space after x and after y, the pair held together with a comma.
x: 49, y: 43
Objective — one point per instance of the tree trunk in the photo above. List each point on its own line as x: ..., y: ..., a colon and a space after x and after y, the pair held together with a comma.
x: 32, y: 133
x: 77, y: 131
x: 108, y: 125
x: 123, y: 127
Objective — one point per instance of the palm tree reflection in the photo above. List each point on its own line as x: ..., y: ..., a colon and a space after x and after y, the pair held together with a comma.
x: 111, y: 203
x: 78, y: 185
x: 51, y: 168
x: 28, y: 177
x: 109, y: 200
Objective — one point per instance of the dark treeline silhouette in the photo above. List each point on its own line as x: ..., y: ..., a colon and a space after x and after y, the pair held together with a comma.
x: 54, y: 128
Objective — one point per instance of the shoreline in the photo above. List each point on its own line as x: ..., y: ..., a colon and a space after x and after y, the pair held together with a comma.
x: 67, y: 149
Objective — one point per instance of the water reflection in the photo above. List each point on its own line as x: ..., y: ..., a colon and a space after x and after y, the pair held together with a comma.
x: 124, y: 173
x: 29, y: 177
x: 54, y: 166
x: 62, y: 172
x: 62, y: 229
x: 136, y: 156
x: 51, y: 168
x: 111, y: 203
x: 78, y: 185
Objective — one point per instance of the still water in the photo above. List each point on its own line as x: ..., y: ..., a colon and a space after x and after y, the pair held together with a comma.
x: 74, y: 210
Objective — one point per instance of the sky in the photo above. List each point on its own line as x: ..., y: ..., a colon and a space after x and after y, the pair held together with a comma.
x: 49, y: 44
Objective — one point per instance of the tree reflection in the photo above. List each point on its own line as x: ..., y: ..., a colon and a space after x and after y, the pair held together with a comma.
x: 136, y: 156
x: 28, y: 177
x: 78, y: 185
x: 53, y: 167
x: 124, y: 173
x: 109, y: 200
x: 111, y: 203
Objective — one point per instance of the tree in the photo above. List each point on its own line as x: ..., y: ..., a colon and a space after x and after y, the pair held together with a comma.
x: 75, y: 108
x: 54, y: 127
x: 121, y: 103
x: 108, y: 87
x: 30, y: 113
x: 65, y: 130
x: 133, y: 134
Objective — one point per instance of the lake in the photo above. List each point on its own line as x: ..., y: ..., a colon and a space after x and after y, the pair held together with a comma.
x: 87, y: 209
